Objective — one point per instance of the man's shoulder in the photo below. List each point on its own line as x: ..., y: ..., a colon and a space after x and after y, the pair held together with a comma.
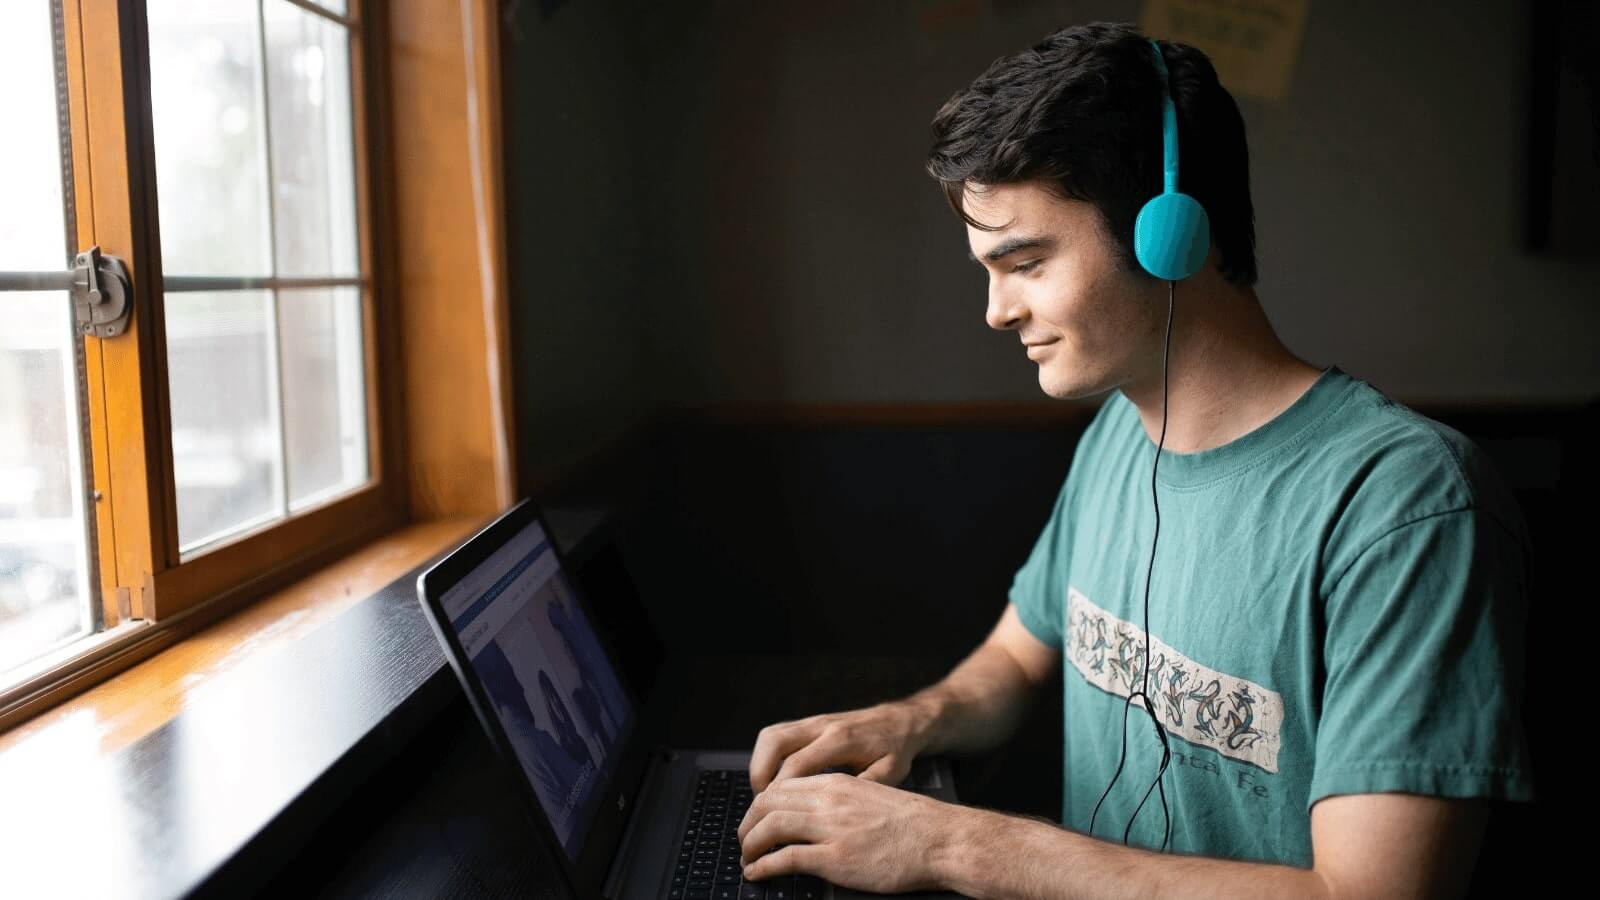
x: 1386, y: 442
x: 1391, y: 466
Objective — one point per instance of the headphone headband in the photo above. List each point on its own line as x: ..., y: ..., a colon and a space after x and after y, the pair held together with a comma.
x: 1169, y: 125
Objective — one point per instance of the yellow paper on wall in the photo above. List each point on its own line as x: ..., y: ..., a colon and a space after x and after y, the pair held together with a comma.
x: 1252, y: 43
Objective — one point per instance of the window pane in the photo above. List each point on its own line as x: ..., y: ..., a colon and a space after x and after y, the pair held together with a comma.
x: 225, y: 441
x: 255, y: 139
x: 44, y: 578
x: 32, y: 225
x: 45, y: 595
x: 313, y: 174
x: 324, y: 392
x: 211, y: 163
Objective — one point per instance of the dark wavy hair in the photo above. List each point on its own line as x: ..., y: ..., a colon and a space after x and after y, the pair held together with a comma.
x: 1082, y: 111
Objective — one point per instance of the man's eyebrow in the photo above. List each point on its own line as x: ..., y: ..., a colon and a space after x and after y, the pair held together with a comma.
x: 1013, y: 244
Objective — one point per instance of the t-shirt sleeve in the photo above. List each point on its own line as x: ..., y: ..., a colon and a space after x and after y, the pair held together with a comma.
x: 1038, y: 589
x: 1425, y: 659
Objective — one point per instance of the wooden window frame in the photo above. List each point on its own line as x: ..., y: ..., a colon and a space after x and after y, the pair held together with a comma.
x: 149, y: 595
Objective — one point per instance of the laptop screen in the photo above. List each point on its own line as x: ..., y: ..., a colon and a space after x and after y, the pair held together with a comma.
x: 546, y: 675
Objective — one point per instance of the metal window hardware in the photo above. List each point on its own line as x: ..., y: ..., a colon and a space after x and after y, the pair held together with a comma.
x: 102, y: 297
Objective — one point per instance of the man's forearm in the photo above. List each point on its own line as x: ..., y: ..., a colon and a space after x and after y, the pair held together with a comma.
x: 977, y: 706
x: 992, y: 856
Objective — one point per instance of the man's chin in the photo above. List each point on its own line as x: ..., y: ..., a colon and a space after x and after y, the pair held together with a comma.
x: 1067, y: 386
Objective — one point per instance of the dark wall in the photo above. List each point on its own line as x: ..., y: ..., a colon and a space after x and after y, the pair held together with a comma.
x: 722, y: 202
x: 823, y: 267
x: 577, y: 231
x: 850, y: 540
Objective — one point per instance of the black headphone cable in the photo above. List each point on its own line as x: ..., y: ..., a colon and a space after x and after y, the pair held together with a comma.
x: 1143, y: 692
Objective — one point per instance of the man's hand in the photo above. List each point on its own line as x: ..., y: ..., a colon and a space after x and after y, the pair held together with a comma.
x: 879, y: 742
x: 850, y: 831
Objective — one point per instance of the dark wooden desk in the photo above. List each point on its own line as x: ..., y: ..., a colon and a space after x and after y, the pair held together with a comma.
x: 443, y: 821
x: 231, y: 786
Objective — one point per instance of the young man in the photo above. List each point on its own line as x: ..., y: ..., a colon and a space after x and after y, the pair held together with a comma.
x: 1336, y: 598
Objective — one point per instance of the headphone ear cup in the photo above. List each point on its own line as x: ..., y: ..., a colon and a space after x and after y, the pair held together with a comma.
x: 1171, y: 236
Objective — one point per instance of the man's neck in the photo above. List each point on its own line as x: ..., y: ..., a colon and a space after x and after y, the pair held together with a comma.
x: 1229, y: 373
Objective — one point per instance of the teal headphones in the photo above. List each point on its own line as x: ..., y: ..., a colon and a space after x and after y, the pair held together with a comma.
x: 1172, y: 233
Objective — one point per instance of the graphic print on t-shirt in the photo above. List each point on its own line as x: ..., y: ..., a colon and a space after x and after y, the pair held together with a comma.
x: 1234, y: 716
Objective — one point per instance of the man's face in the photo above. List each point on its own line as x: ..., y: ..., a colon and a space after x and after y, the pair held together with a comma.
x: 1055, y: 280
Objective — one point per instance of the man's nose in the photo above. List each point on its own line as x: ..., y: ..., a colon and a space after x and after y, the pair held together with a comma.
x: 1004, y: 312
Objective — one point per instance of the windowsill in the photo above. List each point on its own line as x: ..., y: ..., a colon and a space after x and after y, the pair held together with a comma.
x: 213, y: 755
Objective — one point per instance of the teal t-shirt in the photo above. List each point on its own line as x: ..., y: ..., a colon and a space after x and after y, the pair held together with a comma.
x: 1338, y: 607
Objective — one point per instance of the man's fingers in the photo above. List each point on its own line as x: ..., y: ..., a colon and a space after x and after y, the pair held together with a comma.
x: 773, y: 744
x: 782, y: 795
x: 808, y: 760
x: 890, y: 770
x: 783, y: 826
x: 808, y: 859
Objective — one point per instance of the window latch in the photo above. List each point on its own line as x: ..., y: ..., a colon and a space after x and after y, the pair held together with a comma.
x: 102, y: 297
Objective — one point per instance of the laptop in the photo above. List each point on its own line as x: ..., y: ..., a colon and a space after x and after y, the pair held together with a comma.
x: 624, y: 817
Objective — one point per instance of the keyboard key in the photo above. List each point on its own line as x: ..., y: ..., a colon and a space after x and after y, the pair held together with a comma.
x: 700, y: 894
x: 726, y: 892
x: 780, y: 888
x: 675, y: 894
x: 753, y: 890
x: 807, y: 887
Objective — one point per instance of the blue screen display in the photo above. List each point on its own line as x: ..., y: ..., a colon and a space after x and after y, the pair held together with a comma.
x: 548, y: 679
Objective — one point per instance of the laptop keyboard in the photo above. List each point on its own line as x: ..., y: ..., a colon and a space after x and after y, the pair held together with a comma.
x: 708, y: 856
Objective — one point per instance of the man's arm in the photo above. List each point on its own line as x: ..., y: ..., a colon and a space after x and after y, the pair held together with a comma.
x: 976, y: 707
x: 1365, y: 845
x: 979, y: 705
x: 872, y: 837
